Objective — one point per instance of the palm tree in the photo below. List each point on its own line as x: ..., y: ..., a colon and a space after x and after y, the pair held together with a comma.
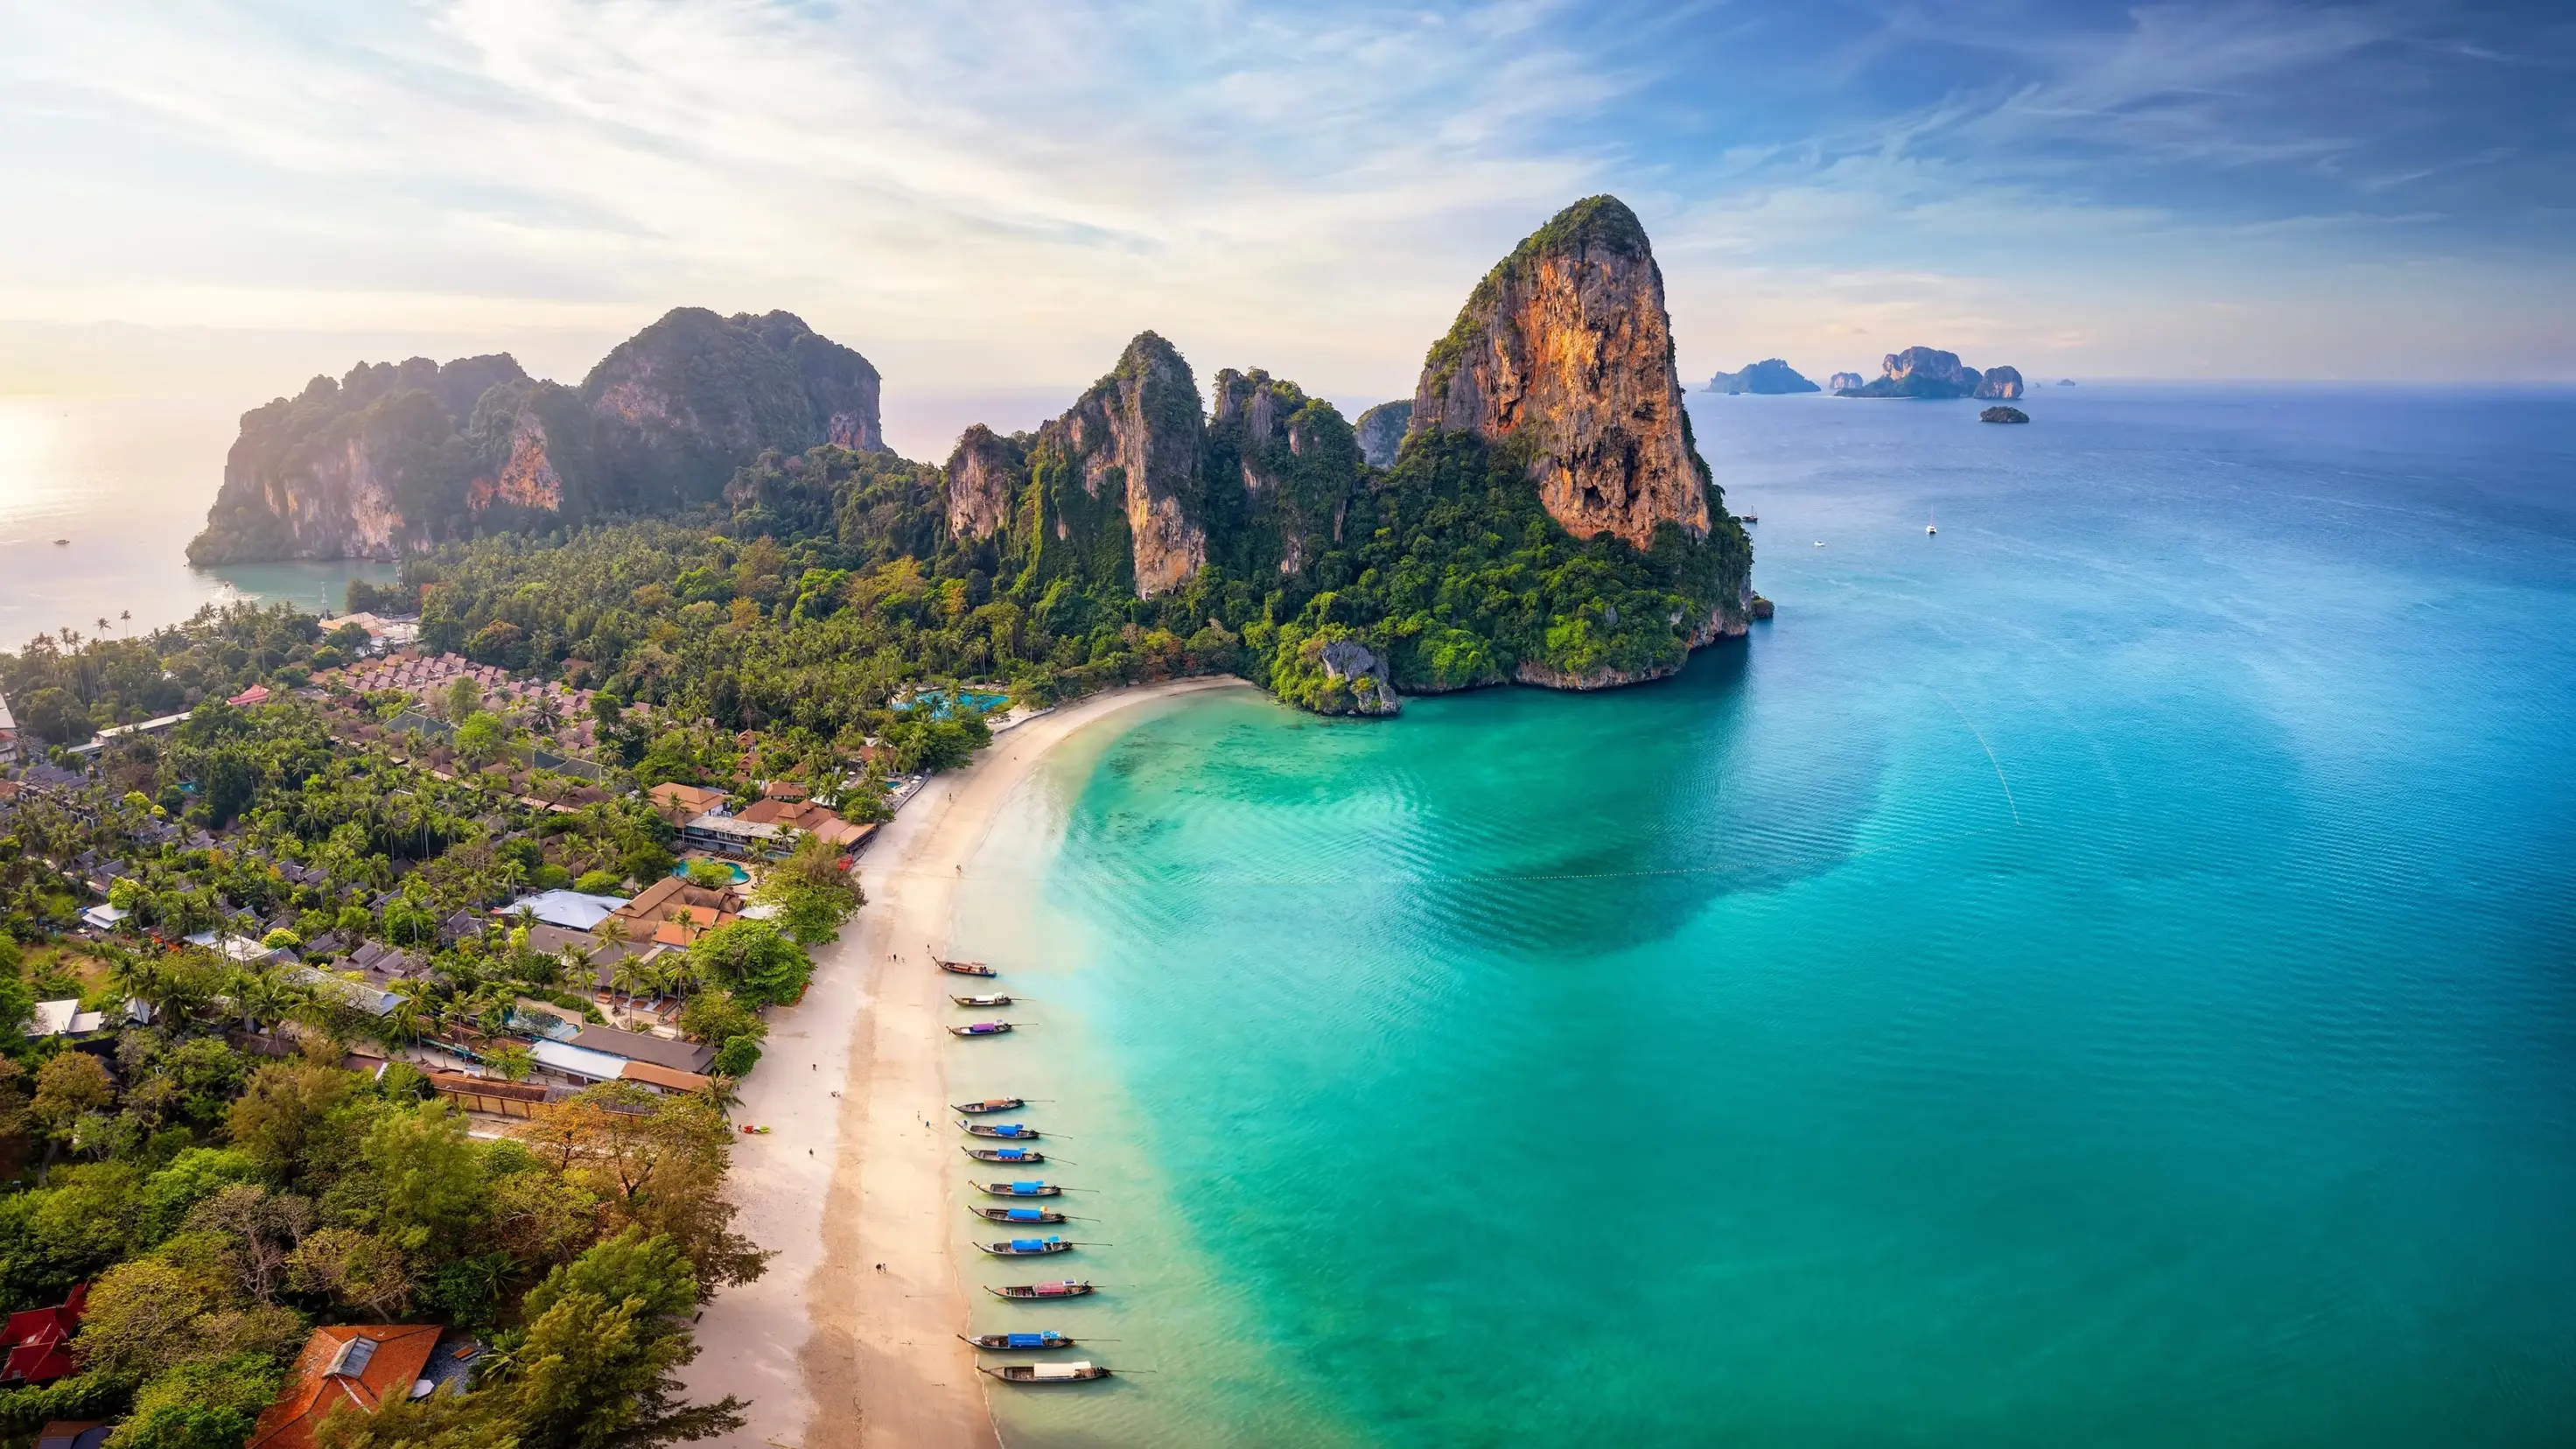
x: 628, y: 974
x: 613, y: 932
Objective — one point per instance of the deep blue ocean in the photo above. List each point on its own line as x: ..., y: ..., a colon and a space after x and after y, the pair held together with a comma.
x: 2102, y: 974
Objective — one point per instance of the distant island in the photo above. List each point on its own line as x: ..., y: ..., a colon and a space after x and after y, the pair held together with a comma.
x: 1537, y: 512
x: 1843, y: 382
x: 1929, y: 372
x: 1769, y: 376
x: 2003, y: 415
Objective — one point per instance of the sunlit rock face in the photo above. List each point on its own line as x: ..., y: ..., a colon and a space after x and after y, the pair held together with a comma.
x: 1565, y: 349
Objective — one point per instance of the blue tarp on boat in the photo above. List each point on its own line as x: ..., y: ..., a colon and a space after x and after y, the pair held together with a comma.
x: 1026, y: 1186
x: 1011, y: 1154
x: 1027, y: 1215
x: 1027, y: 1245
x: 1028, y: 1340
x: 1010, y: 1129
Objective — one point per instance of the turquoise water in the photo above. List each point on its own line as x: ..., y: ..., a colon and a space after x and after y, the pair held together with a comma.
x: 2105, y: 974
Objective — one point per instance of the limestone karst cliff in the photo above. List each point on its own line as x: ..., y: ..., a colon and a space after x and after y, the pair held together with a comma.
x: 396, y: 456
x: 1565, y: 350
x: 1546, y: 517
x: 1381, y: 431
x: 1842, y: 382
x: 1999, y: 382
x: 1920, y: 372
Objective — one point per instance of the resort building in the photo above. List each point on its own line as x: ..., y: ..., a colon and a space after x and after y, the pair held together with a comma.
x: 680, y: 804
x: 362, y: 1366
x: 634, y: 1046
x: 8, y: 734
x: 571, y: 910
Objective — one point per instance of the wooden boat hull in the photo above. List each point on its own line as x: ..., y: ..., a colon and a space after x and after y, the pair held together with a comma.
x: 1002, y: 1341
x: 978, y: 1109
x: 988, y: 1154
x: 1005, y: 1250
x: 1022, y: 1374
x: 982, y: 1028
x: 981, y: 1001
x: 1041, y: 1292
x: 1025, y: 1134
x: 965, y: 968
x: 1004, y: 1189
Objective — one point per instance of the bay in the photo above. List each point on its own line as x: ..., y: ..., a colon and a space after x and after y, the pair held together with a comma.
x: 125, y: 483
x: 2098, y: 974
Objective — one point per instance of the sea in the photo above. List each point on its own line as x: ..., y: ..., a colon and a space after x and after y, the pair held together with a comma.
x: 2102, y: 973
x: 98, y: 499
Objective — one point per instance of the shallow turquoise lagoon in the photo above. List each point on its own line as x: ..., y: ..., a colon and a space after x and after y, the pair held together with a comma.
x: 2104, y: 974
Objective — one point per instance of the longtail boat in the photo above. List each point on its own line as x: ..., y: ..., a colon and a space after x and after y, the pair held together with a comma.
x: 1022, y: 1189
x: 1042, y: 1290
x: 1018, y: 1340
x: 1076, y: 1372
x: 1026, y: 1247
x: 1016, y: 1215
x: 981, y: 1000
x: 981, y: 1028
x: 1004, y: 1154
x: 965, y: 968
x: 998, y: 1129
x: 989, y: 1104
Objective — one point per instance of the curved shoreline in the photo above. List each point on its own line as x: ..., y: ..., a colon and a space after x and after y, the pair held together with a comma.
x: 849, y: 1340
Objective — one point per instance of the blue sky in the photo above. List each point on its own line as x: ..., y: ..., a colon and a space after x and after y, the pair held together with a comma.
x: 988, y: 199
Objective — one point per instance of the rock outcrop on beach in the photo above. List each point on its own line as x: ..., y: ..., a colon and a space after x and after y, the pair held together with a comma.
x: 1565, y: 350
x: 1381, y: 431
x: 1843, y: 382
x: 1999, y: 382
x: 1333, y: 672
x: 1769, y: 377
x: 2003, y: 415
x: 395, y: 456
x: 1921, y: 372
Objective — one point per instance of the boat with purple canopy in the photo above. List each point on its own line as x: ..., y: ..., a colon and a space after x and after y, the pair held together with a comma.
x: 1028, y: 1291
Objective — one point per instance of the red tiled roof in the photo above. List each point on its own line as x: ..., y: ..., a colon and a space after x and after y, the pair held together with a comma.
x: 312, y: 1391
x: 36, y: 1337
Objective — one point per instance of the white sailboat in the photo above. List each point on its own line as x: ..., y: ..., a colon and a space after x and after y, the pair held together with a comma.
x: 1929, y: 527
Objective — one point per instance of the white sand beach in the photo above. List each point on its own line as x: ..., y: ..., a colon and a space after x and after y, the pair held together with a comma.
x: 850, y: 1339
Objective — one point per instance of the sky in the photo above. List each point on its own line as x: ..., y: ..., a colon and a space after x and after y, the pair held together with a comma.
x: 989, y: 199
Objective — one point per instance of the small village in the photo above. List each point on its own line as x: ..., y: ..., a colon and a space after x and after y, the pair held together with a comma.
x: 430, y: 901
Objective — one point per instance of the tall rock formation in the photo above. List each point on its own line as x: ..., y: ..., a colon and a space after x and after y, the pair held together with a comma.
x: 1843, y: 382
x: 1381, y: 431
x: 1297, y: 462
x: 2000, y: 382
x: 1565, y: 349
x: 395, y: 456
x: 985, y: 474
x: 1120, y: 487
